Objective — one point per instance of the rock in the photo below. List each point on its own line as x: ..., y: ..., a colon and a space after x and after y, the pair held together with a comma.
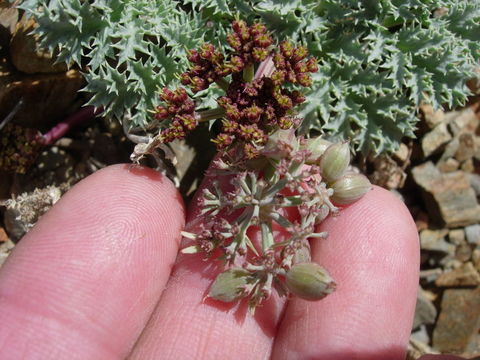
x: 472, y: 233
x: 5, y: 250
x: 466, y: 275
x: 26, y: 54
x: 430, y: 275
x: 463, y: 121
x: 449, y: 263
x: 476, y: 258
x: 432, y: 117
x: 466, y: 147
x: 425, y: 311
x: 448, y: 197
x: 456, y: 236
x: 448, y: 165
x: 8, y: 22
x: 421, y: 334
x: 477, y: 146
x: 435, y: 139
x: 450, y: 150
x: 47, y: 98
x: 402, y: 154
x: 387, y: 173
x: 463, y: 252
x: 417, y: 348
x: 475, y: 183
x: 434, y: 240
x: 459, y: 320
x: 425, y: 174
x: 468, y: 166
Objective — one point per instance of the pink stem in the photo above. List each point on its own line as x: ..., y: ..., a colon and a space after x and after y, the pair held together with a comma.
x: 83, y: 115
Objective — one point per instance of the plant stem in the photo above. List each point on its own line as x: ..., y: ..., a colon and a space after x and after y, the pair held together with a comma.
x: 210, y: 114
x: 81, y: 116
x: 248, y: 73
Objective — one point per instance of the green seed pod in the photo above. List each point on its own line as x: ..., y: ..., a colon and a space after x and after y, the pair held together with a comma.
x: 350, y: 188
x: 317, y: 147
x: 229, y: 285
x: 334, y: 161
x: 309, y: 281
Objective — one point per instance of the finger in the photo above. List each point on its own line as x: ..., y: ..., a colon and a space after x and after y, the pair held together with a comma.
x: 185, y: 326
x: 372, y: 253
x: 84, y: 281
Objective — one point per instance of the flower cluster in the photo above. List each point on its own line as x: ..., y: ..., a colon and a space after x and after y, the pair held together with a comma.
x: 255, y: 104
x: 19, y: 147
x: 272, y: 173
x: 207, y: 67
x: 251, y: 44
x: 309, y: 175
x: 180, y: 109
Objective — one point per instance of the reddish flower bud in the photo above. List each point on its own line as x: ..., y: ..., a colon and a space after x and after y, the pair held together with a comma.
x: 161, y: 113
x: 259, y: 54
x: 286, y: 47
x: 166, y: 95
x: 229, y: 126
x: 279, y: 61
x: 278, y: 77
x: 300, y: 53
x: 284, y: 101
x: 285, y: 122
x: 193, y: 56
x: 257, y: 29
x: 234, y: 41
x: 312, y: 65
x: 297, y: 97
x: 223, y: 140
x: 304, y: 79
x: 263, y: 40
x: 252, y: 113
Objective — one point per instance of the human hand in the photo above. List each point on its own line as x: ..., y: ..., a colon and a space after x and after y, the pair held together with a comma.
x: 98, y: 278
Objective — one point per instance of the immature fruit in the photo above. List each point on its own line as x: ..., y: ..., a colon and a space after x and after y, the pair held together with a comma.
x: 229, y: 285
x: 309, y: 281
x: 334, y: 162
x: 317, y: 147
x: 350, y: 188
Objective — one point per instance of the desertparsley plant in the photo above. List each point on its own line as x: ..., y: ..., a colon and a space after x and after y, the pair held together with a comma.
x: 263, y: 170
x: 378, y: 60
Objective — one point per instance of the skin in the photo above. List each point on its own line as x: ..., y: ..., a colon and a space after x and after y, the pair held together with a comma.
x: 98, y: 277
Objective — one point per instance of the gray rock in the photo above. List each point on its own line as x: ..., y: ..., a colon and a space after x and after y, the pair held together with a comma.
x: 425, y: 311
x: 456, y: 236
x: 434, y: 240
x: 433, y: 141
x: 466, y: 147
x: 464, y: 120
x: 448, y: 165
x: 472, y: 233
x: 463, y: 252
x: 432, y: 117
x: 475, y: 183
x: 430, y: 275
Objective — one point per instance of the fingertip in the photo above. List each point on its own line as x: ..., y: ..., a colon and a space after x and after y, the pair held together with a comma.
x: 372, y: 252
x: 89, y: 274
